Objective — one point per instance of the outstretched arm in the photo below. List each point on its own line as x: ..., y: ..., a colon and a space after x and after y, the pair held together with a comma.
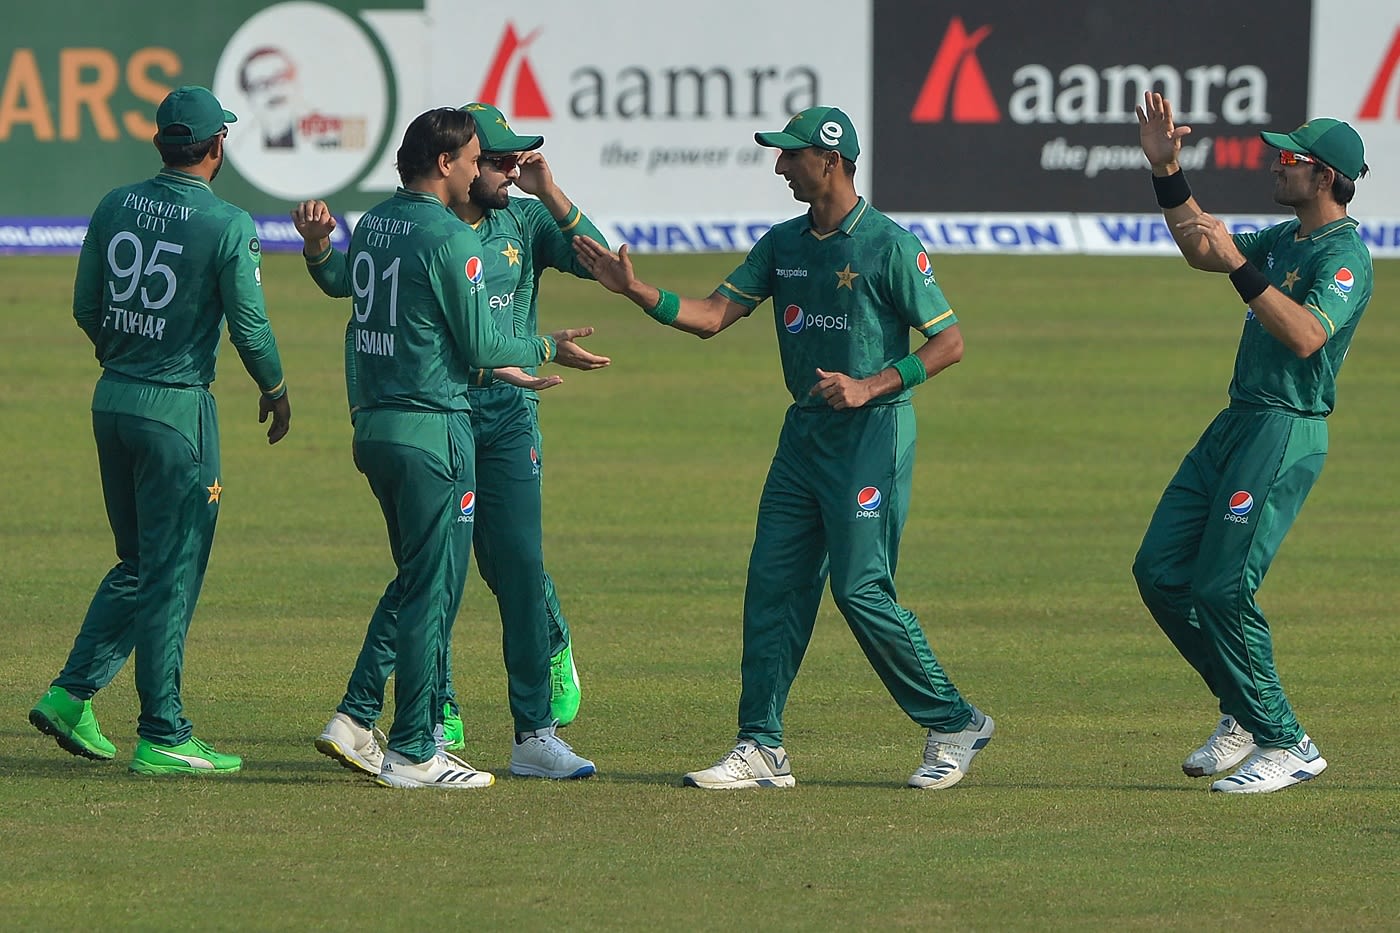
x: 703, y: 317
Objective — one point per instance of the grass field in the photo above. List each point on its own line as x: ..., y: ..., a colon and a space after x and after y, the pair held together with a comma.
x: 1042, y: 455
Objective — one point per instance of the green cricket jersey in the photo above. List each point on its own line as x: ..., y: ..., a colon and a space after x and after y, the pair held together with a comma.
x: 1329, y: 273
x: 420, y: 312
x: 844, y: 301
x: 164, y: 263
x: 522, y: 240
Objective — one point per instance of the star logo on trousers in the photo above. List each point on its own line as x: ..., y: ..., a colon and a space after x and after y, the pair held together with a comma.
x: 214, y: 490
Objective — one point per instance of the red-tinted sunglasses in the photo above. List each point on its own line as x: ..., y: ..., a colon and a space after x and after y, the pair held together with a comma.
x: 505, y: 164
x: 1294, y: 158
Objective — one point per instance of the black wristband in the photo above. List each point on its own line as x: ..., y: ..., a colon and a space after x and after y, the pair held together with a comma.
x: 1172, y: 190
x: 1249, y: 282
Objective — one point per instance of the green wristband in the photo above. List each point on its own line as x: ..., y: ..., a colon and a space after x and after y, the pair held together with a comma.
x: 911, y: 371
x: 668, y: 307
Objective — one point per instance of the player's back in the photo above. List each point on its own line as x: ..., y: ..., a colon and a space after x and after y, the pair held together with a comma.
x: 166, y: 248
x: 404, y: 355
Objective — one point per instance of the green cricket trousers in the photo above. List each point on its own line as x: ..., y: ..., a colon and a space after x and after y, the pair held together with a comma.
x: 420, y: 466
x: 160, y: 481
x: 1212, y: 538
x: 835, y: 502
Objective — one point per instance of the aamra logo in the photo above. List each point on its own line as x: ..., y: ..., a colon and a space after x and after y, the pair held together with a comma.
x: 1344, y: 279
x: 468, y: 504
x: 793, y: 319
x: 956, y: 81
x: 868, y: 499
x: 1373, y: 107
x: 1241, y: 503
x: 475, y: 270
x: 921, y: 260
x: 510, y: 68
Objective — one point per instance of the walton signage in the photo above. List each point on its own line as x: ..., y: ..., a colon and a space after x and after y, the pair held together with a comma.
x: 1027, y: 106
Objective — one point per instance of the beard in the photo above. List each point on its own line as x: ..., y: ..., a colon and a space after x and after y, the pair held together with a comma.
x: 487, y: 197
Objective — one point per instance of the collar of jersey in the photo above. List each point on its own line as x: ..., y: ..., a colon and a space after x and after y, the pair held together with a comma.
x: 1327, y: 229
x: 847, y: 225
x: 410, y: 195
x: 184, y: 178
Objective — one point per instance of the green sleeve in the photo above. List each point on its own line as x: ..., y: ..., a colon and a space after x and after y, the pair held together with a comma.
x: 551, y: 241
x: 752, y: 283
x: 1255, y: 245
x: 331, y: 273
x: 240, y: 288
x: 914, y: 295
x: 87, y: 286
x: 1332, y: 305
x: 469, y: 319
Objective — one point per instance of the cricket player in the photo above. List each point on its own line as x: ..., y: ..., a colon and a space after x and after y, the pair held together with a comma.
x: 420, y: 320
x: 165, y: 263
x: 847, y: 286
x: 522, y: 238
x: 1305, y: 284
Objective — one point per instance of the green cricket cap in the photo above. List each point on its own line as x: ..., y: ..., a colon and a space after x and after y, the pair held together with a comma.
x: 190, y: 114
x: 823, y: 127
x: 1332, y: 141
x: 495, y: 133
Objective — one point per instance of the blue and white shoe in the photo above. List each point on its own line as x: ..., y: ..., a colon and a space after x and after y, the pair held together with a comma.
x: 543, y: 754
x: 1227, y: 746
x: 948, y: 755
x: 1271, y: 769
x: 746, y: 765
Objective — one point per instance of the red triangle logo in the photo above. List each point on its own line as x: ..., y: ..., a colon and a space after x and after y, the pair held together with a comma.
x: 509, y: 64
x: 1371, y: 108
x: 956, y: 77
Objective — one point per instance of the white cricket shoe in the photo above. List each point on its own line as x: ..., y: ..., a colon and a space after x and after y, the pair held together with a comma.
x: 1271, y: 769
x: 351, y: 744
x: 748, y: 764
x: 1227, y: 746
x: 443, y: 770
x: 948, y: 755
x: 544, y: 754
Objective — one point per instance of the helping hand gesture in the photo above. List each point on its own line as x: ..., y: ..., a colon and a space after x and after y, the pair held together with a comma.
x: 612, y: 270
x: 569, y: 353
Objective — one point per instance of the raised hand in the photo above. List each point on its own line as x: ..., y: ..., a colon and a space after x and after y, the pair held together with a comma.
x: 1157, y: 129
x: 314, y: 221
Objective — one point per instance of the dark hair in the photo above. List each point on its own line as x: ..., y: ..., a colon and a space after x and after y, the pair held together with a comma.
x: 1343, y: 188
x: 182, y: 155
x: 848, y: 167
x: 432, y: 133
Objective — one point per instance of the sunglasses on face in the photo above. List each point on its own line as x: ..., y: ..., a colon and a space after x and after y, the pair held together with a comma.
x: 1294, y: 158
x: 504, y: 164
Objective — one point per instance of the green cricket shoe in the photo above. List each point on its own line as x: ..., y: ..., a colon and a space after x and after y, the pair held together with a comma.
x: 564, y: 692
x: 453, y: 739
x: 189, y: 757
x: 72, y: 724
